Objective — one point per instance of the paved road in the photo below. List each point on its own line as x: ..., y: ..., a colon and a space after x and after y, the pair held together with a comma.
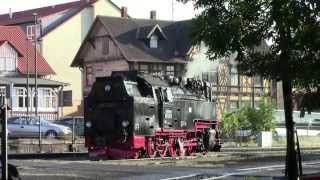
x: 205, y: 167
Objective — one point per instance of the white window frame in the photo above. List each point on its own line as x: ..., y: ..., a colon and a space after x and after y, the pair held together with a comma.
x: 154, y: 41
x: 49, y: 98
x: 32, y: 31
x: 48, y: 102
x: 8, y: 64
x: 21, y: 93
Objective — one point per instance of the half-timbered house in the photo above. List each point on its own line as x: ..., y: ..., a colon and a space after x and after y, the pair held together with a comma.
x: 145, y: 45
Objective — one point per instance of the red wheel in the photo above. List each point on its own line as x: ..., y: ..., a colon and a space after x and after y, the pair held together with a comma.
x: 151, y: 151
x: 172, y: 148
x: 163, y: 149
x: 181, y: 150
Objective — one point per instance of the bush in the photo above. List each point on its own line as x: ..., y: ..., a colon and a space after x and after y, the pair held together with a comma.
x: 248, y: 118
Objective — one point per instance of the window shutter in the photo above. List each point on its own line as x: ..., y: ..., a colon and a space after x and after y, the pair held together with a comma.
x: 67, y: 98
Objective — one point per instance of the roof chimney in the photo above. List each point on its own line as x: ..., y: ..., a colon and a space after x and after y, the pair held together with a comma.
x: 10, y: 13
x: 124, y: 12
x: 153, y: 15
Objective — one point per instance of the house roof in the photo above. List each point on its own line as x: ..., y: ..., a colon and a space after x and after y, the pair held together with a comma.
x: 68, y: 9
x: 131, y: 36
x: 2, y: 42
x: 18, y: 39
x: 27, y: 15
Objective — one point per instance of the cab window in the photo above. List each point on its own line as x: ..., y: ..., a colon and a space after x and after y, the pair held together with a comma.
x: 132, y: 89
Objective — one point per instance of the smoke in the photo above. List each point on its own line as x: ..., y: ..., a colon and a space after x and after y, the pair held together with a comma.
x: 200, y: 63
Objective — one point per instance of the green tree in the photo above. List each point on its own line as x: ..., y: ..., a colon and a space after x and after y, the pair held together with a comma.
x: 238, y: 26
x: 260, y: 119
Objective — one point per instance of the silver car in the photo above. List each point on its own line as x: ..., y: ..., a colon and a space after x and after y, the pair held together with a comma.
x: 28, y: 127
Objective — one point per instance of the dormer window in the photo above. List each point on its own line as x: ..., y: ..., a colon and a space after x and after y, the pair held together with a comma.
x: 154, y: 41
x: 33, y: 32
x: 8, y: 57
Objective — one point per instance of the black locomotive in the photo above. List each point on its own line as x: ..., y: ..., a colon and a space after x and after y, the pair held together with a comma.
x: 129, y: 115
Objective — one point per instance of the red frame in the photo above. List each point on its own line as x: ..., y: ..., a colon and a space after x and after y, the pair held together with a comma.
x: 164, y: 142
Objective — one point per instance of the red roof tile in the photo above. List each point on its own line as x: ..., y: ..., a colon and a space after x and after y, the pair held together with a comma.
x: 26, y: 16
x: 18, y: 39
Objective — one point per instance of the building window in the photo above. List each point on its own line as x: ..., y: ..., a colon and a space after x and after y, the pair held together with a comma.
x: 157, y: 68
x: 212, y: 75
x: 22, y: 97
x: 67, y: 98
x: 257, y: 81
x: 49, y: 98
x: 234, y: 77
x: 154, y: 41
x: 170, y: 70
x: 89, y: 75
x: 32, y: 31
x: 144, y: 68
x: 7, y: 64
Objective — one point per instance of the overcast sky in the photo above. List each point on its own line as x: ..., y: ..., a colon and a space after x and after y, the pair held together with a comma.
x: 136, y: 8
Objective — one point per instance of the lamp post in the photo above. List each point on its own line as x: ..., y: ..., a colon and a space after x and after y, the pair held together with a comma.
x: 36, y: 76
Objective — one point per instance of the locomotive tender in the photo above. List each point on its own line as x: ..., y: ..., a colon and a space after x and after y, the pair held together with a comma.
x: 129, y: 115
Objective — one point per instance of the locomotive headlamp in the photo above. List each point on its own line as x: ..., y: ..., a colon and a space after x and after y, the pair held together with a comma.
x: 125, y: 123
x: 107, y: 88
x: 88, y: 124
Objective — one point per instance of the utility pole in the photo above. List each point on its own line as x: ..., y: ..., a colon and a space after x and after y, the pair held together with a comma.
x: 36, y: 76
x: 28, y: 99
x: 4, y: 138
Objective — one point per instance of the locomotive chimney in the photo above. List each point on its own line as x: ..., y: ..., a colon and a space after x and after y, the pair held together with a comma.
x: 124, y: 12
x: 153, y: 15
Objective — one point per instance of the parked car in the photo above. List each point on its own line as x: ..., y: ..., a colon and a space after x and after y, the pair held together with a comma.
x: 78, y: 124
x: 28, y: 127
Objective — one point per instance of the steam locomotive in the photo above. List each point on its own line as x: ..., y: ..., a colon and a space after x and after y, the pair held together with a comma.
x: 131, y: 115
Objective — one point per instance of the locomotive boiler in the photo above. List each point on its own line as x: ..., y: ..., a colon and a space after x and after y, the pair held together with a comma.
x: 130, y: 115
